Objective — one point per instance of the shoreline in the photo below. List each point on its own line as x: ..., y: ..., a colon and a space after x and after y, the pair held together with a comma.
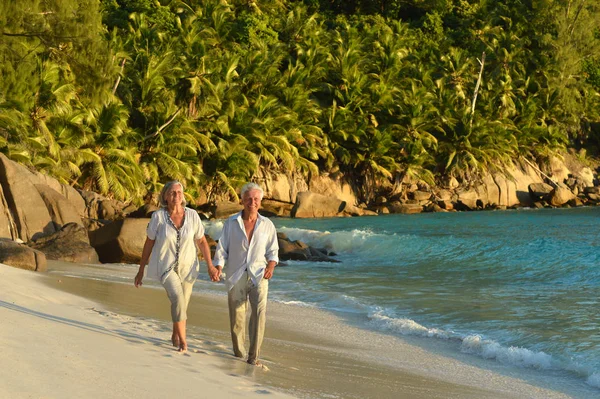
x: 59, y: 345
x: 311, y: 353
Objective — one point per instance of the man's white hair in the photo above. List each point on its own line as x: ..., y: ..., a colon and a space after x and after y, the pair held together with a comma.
x: 252, y: 186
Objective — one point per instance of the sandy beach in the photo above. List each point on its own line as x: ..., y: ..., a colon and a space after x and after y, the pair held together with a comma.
x: 67, y: 337
x: 57, y: 345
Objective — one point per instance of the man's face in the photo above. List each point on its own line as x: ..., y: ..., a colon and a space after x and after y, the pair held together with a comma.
x: 251, y: 201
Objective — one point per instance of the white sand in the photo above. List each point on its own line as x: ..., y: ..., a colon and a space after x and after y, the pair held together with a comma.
x: 57, y: 345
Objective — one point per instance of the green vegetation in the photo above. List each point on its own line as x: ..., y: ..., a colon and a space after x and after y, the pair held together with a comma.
x: 118, y: 96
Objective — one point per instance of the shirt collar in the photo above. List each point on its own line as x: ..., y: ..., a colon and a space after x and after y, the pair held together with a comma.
x: 238, y: 217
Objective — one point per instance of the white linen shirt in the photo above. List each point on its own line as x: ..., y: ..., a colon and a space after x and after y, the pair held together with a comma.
x: 164, y: 252
x: 236, y: 254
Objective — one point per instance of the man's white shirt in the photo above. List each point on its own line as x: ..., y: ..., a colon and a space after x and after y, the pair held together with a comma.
x: 237, y: 255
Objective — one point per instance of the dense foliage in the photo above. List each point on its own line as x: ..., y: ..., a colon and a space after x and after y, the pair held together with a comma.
x: 119, y: 96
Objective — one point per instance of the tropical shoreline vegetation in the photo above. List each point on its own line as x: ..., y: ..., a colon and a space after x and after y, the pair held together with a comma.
x: 118, y: 96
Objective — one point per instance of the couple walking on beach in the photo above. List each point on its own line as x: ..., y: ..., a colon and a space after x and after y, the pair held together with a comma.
x: 247, y: 249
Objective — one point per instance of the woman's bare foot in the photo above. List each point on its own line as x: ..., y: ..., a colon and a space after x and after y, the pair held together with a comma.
x: 182, y: 347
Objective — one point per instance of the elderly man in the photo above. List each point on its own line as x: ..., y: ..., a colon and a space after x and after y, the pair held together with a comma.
x: 248, y: 250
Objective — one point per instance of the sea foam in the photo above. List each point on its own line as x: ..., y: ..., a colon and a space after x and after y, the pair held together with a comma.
x: 515, y: 356
x: 299, y: 303
x: 477, y: 345
x: 405, y: 326
x: 213, y: 228
x: 347, y: 241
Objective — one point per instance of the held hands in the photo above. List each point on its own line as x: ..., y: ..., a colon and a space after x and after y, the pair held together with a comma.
x: 214, y: 273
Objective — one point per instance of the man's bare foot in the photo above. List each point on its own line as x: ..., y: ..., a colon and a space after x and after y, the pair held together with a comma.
x: 175, y: 340
x: 258, y: 364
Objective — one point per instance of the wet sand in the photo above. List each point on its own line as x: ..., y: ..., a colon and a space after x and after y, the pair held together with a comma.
x: 313, y: 354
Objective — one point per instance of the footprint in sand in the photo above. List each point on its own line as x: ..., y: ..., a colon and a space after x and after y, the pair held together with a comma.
x: 263, y: 367
x: 105, y: 313
x: 182, y: 353
x: 255, y: 388
x: 251, y: 368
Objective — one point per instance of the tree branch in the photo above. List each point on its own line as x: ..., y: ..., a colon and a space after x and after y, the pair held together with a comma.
x: 540, y: 172
x: 482, y: 62
x: 572, y: 26
x: 167, y: 123
x: 119, y: 77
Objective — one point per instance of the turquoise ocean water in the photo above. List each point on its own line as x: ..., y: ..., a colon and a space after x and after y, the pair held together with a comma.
x: 519, y: 287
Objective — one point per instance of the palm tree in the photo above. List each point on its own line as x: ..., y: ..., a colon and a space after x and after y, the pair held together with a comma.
x: 227, y: 168
x: 457, y: 69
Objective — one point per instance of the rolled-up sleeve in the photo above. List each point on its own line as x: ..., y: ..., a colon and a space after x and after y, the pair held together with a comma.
x: 272, y: 247
x: 222, y: 251
x: 199, y: 227
x: 152, y: 226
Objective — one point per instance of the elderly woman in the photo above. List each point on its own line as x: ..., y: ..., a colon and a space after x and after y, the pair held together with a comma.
x: 174, y: 234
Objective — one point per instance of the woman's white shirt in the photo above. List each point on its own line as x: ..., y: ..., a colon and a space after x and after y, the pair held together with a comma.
x: 164, y: 252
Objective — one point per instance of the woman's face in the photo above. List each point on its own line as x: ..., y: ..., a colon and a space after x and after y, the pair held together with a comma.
x: 174, y: 195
